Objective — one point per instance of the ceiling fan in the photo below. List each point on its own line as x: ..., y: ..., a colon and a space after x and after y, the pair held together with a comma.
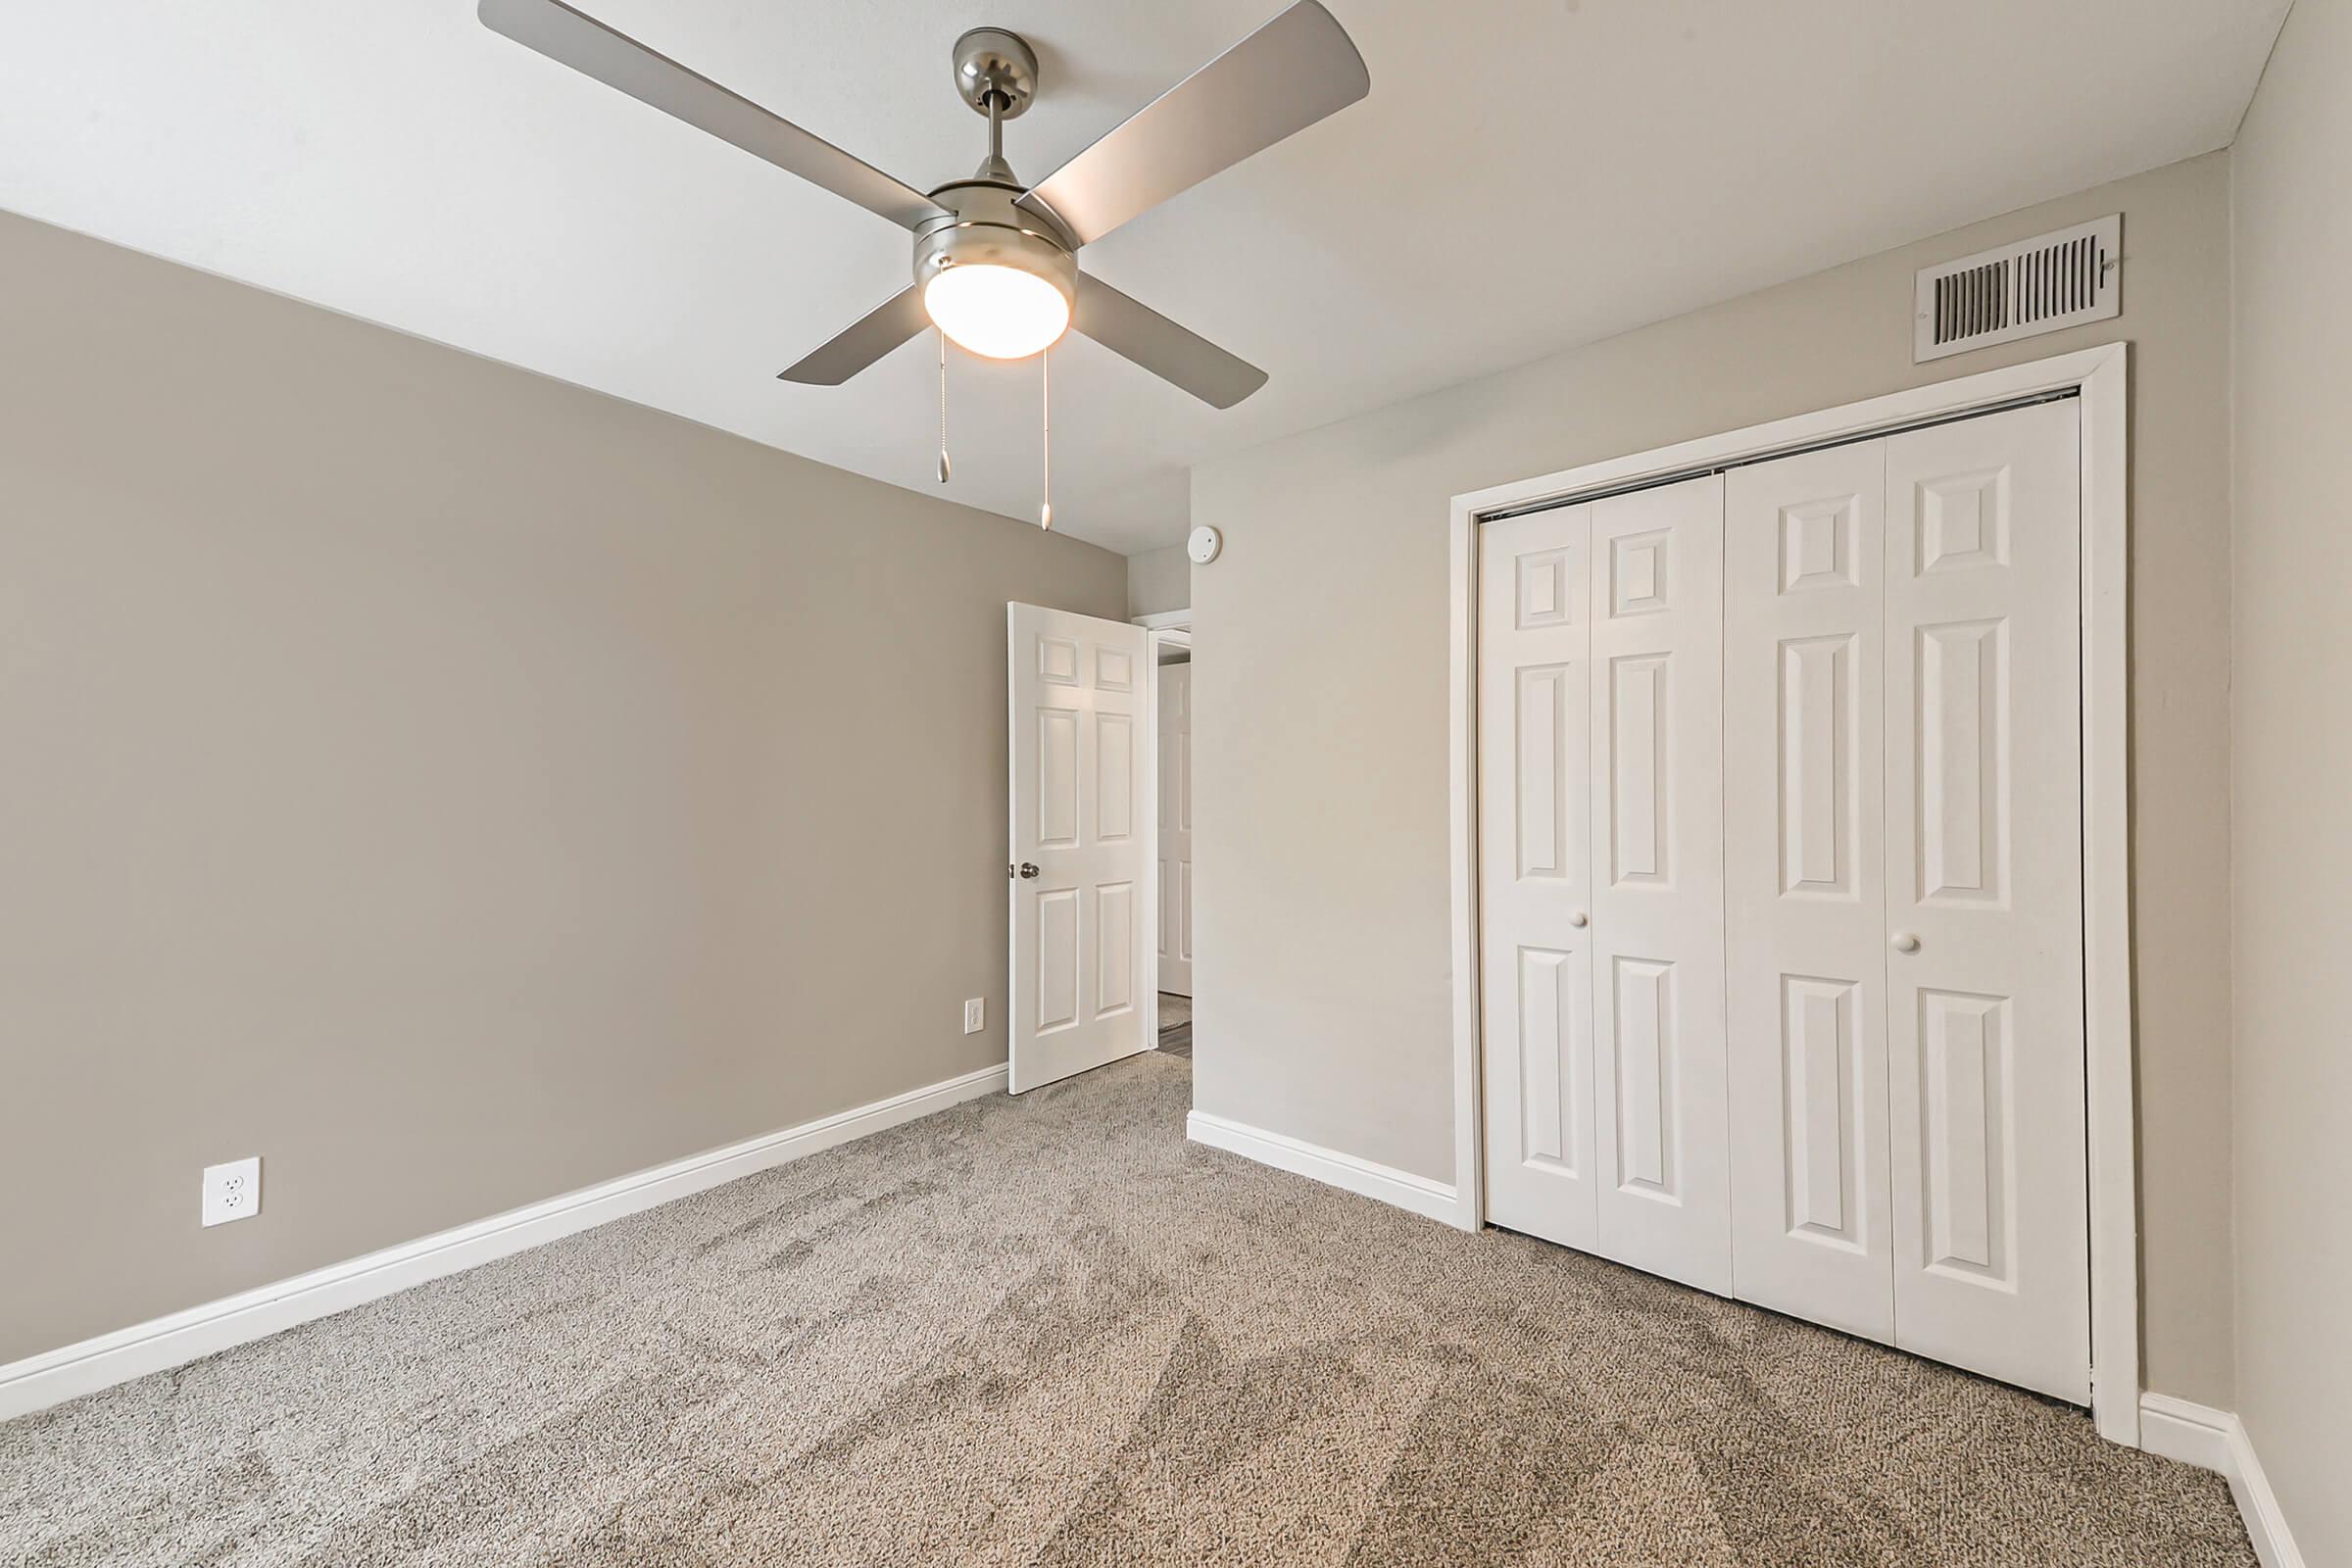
x: 996, y: 266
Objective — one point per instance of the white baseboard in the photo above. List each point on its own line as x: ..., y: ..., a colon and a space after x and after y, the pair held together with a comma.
x: 2216, y: 1440
x: 2193, y: 1433
x: 1436, y: 1200
x: 63, y: 1374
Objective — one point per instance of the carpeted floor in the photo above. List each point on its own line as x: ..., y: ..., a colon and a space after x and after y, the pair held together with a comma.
x: 1047, y: 1330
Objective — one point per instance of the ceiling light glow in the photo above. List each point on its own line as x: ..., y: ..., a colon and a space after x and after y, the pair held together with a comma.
x: 1001, y: 313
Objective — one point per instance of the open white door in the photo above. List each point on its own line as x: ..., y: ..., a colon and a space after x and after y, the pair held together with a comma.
x: 1079, y: 843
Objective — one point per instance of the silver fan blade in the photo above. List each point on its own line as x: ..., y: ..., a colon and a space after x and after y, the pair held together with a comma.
x: 881, y: 329
x: 569, y: 38
x: 1279, y: 80
x: 1138, y: 332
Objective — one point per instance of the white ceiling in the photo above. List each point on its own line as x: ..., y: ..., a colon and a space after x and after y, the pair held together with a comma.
x: 1527, y: 175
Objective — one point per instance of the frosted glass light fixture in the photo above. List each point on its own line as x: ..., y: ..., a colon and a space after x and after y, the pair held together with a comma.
x: 998, y: 311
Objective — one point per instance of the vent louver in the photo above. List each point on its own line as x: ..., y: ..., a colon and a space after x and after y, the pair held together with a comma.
x: 2036, y: 285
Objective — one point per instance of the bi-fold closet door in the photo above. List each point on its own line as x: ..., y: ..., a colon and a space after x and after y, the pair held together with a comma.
x: 1601, y: 795
x: 1848, y: 737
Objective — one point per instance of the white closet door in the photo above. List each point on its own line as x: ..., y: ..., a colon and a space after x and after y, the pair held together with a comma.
x: 1535, y: 884
x: 1804, y: 657
x: 1176, y: 829
x: 1984, y: 897
x: 1658, y: 1071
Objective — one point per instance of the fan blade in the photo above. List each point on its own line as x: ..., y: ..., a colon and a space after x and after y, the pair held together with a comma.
x: 881, y: 329
x: 1138, y: 332
x: 571, y: 38
x: 1282, y: 78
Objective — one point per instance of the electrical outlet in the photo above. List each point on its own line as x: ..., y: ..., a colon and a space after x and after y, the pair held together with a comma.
x: 232, y: 1191
x: 975, y: 1015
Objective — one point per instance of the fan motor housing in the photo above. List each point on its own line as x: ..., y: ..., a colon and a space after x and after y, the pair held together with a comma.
x: 983, y: 227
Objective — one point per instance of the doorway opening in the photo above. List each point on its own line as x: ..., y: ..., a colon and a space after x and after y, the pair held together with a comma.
x: 1171, y: 648
x: 1095, y: 903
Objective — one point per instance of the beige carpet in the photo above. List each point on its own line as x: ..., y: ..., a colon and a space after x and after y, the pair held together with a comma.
x: 1050, y: 1331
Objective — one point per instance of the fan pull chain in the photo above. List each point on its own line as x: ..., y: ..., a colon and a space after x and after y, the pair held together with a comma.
x: 943, y: 407
x: 1045, y: 370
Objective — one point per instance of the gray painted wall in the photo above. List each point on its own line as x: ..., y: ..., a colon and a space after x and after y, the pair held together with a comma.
x: 1159, y: 581
x: 451, y: 785
x: 1320, y: 749
x: 2292, y: 754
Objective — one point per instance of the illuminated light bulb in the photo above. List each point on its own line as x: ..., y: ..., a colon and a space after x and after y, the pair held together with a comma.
x: 1000, y: 312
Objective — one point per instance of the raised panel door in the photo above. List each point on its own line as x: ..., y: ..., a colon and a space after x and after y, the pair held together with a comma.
x: 1804, y: 657
x: 1984, y: 897
x: 1534, y: 877
x: 1662, y: 1195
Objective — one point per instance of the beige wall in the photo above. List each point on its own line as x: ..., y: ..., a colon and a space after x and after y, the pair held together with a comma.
x: 1320, y: 751
x: 451, y: 785
x: 2291, y: 756
x: 1159, y: 581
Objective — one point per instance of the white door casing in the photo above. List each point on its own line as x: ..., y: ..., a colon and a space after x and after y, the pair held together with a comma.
x: 1985, y: 897
x: 1078, y: 842
x: 1535, y: 876
x: 1176, y: 828
x: 1804, y: 856
x: 1656, y: 824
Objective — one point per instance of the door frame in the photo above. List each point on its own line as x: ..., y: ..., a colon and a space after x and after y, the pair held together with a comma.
x: 1169, y: 628
x: 2099, y: 376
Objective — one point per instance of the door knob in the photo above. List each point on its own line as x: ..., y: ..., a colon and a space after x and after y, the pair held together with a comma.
x: 1026, y: 871
x: 1905, y: 942
x: 1576, y: 920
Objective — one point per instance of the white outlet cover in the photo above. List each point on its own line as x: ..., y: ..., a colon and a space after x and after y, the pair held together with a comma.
x: 232, y: 1191
x: 975, y: 1015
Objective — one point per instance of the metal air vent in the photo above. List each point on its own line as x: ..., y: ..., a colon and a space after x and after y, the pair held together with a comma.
x: 2036, y: 285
